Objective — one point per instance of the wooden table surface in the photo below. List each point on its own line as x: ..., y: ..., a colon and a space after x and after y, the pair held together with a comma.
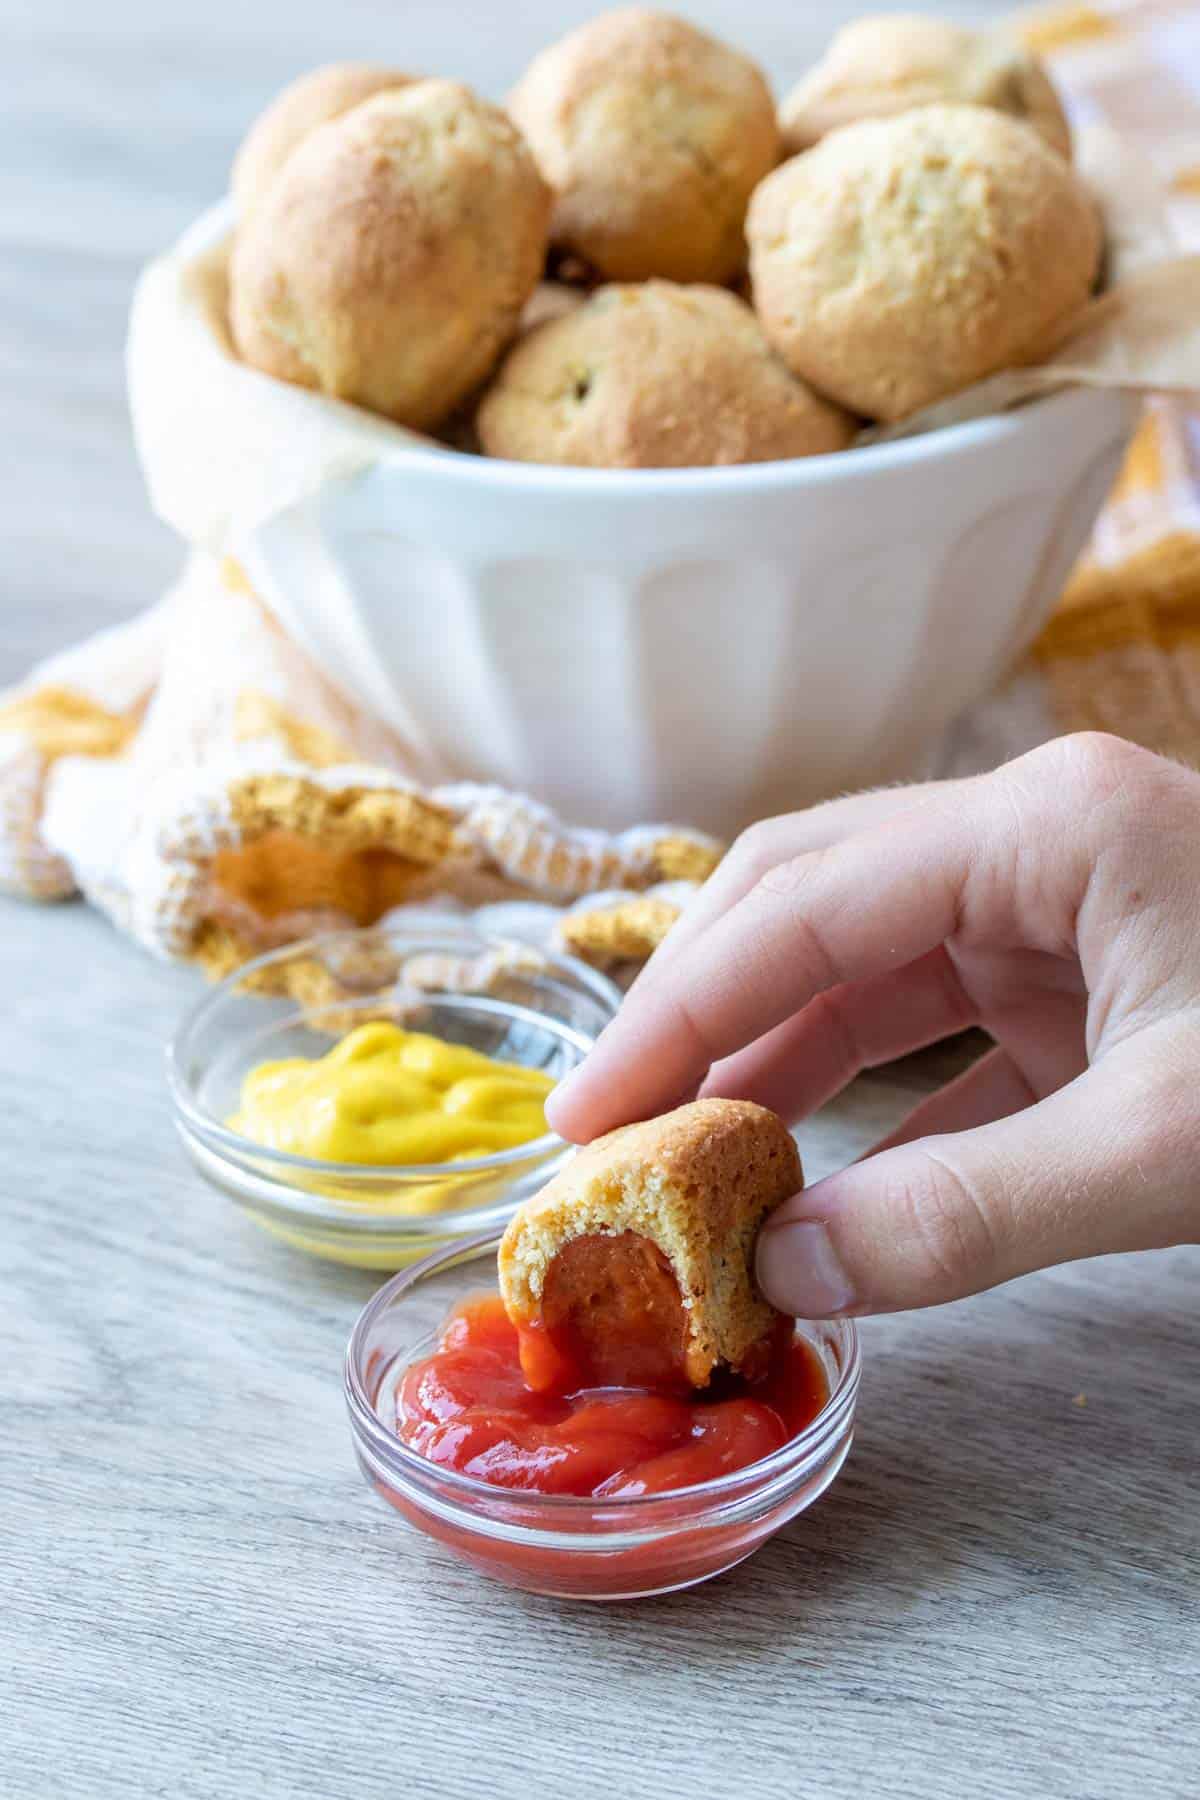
x: 998, y: 1600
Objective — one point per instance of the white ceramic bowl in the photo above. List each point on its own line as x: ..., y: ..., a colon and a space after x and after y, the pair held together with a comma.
x: 699, y: 646
x: 704, y: 646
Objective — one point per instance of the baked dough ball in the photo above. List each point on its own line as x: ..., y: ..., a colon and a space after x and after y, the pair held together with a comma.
x: 636, y: 1263
x: 890, y: 63
x: 312, y: 100
x: 389, y: 261
x: 653, y: 136
x: 905, y: 258
x: 549, y: 300
x: 653, y: 376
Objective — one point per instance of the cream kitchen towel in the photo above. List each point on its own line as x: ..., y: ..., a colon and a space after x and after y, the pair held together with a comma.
x: 228, y: 799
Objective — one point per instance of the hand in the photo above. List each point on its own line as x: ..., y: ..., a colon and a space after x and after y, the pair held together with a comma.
x: 1056, y: 903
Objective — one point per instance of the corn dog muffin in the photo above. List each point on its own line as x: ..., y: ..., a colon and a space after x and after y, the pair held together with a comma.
x: 894, y: 61
x: 654, y: 376
x: 903, y: 259
x: 653, y: 136
x: 311, y: 100
x: 389, y: 261
x: 635, y: 1264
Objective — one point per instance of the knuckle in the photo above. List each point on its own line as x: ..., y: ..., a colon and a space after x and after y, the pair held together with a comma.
x: 947, y: 1226
x: 1131, y: 811
x: 786, y: 877
x: 1098, y: 765
x: 689, y: 1025
x: 786, y: 886
x: 837, y: 1032
x: 759, y: 847
x: 958, y: 1007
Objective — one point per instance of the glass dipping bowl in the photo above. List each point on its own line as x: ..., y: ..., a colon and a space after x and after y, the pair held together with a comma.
x: 572, y: 1548
x: 495, y: 996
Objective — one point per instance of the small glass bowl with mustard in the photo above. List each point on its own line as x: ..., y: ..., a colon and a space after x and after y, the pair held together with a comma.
x: 370, y: 1096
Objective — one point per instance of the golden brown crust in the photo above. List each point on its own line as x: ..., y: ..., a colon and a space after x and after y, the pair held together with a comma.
x: 697, y: 1183
x: 652, y: 135
x: 892, y: 62
x: 905, y: 258
x: 629, y: 932
x: 307, y: 102
x: 654, y: 376
x: 389, y: 261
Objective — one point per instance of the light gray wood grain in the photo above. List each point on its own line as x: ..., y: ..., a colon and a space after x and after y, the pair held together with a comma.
x: 202, y: 1601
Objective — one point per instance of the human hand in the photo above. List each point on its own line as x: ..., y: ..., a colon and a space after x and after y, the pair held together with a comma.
x: 1056, y: 903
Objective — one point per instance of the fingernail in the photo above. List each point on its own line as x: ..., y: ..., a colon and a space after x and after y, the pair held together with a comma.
x: 558, y: 1102
x: 800, y: 1272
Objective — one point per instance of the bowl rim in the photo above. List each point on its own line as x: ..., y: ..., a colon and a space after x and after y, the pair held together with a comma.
x: 725, y: 1493
x: 219, y: 1138
x: 969, y: 437
x: 414, y: 453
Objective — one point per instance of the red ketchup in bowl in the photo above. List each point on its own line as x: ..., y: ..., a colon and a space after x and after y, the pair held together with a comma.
x: 467, y: 1407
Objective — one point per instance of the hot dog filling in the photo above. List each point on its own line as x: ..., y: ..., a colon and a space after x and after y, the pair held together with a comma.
x: 612, y: 1316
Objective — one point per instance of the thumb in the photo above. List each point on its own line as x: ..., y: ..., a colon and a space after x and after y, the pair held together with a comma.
x: 1102, y: 1165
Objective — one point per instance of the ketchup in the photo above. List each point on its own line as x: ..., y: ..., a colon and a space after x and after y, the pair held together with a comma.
x: 469, y: 1408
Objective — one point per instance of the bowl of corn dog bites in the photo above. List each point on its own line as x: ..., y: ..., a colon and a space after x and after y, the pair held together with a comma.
x: 642, y: 440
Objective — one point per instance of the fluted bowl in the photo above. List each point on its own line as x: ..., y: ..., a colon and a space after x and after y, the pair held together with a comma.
x: 699, y: 646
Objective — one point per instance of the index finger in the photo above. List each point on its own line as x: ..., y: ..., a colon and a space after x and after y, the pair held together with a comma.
x: 777, y: 840
x: 873, y: 903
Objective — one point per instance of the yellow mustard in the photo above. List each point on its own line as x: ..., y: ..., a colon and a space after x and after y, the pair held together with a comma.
x: 383, y: 1095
